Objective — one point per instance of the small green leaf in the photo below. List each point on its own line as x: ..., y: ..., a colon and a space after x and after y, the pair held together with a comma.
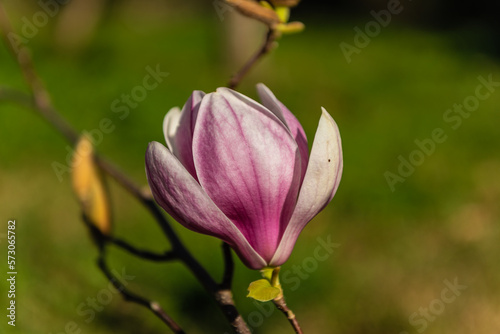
x: 262, y: 290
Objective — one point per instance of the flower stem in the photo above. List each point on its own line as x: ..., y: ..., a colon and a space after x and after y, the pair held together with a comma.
x: 281, y: 305
x: 275, y: 281
x: 264, y: 49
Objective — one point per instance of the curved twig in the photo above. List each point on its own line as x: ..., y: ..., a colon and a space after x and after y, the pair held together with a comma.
x: 264, y: 49
x: 135, y: 298
x: 281, y: 305
x: 227, y: 278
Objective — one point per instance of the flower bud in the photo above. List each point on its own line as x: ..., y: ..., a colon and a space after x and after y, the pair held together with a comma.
x: 89, y: 186
x: 241, y: 171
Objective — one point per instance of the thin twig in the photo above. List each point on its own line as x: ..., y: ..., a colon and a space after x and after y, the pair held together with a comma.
x: 146, y: 200
x: 224, y: 294
x: 10, y: 95
x: 43, y: 105
x: 40, y: 96
x: 264, y: 49
x: 281, y: 305
x: 101, y: 238
x: 227, y: 279
x: 135, y: 298
x: 167, y: 256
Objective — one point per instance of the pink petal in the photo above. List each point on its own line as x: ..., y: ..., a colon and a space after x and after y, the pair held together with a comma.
x: 272, y: 103
x: 249, y: 165
x: 178, y: 128
x: 320, y: 184
x: 182, y: 197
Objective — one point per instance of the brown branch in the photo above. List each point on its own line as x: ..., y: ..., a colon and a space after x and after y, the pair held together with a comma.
x: 102, y: 239
x: 40, y: 102
x: 40, y: 96
x: 146, y: 200
x: 17, y: 97
x: 135, y: 298
x: 264, y: 49
x: 281, y: 305
x: 227, y: 278
x: 224, y: 295
x: 225, y: 298
x: 167, y: 256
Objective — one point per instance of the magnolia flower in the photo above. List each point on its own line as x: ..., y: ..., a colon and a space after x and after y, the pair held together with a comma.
x: 240, y: 171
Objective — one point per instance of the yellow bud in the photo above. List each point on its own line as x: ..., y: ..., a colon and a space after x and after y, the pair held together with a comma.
x: 290, y: 28
x: 89, y: 186
x: 283, y: 13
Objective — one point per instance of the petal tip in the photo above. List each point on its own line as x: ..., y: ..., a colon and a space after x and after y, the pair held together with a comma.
x: 153, y: 144
x: 154, y: 149
x: 325, y: 113
x: 326, y: 116
x: 261, y: 87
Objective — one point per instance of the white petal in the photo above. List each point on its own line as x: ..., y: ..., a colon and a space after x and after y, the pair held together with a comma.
x: 170, y: 125
x: 320, y: 184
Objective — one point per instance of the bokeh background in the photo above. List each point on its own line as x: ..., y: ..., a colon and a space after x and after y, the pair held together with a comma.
x: 397, y: 247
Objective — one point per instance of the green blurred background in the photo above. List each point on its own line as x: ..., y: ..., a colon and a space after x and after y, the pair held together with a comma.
x: 396, y: 247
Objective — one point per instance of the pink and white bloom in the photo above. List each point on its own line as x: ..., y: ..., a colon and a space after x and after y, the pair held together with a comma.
x: 240, y: 171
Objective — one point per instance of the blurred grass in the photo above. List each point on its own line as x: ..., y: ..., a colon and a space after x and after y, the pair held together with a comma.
x: 396, y: 248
